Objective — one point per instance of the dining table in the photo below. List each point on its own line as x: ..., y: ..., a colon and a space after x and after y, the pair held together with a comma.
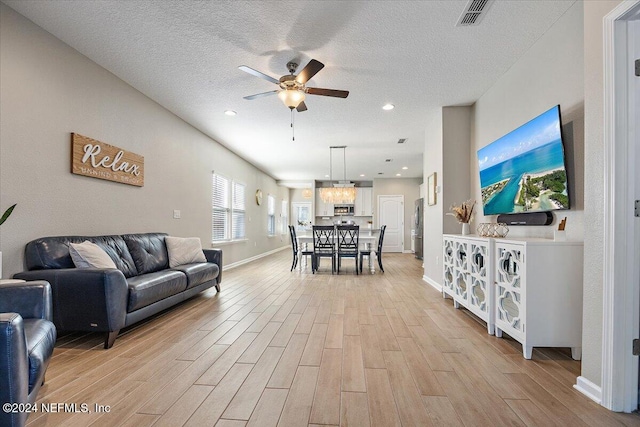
x: 367, y: 239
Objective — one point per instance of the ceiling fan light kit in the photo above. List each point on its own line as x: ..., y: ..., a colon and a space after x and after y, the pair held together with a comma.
x: 341, y: 192
x: 291, y: 97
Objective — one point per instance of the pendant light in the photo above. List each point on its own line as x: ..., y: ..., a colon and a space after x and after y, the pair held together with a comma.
x: 338, y: 193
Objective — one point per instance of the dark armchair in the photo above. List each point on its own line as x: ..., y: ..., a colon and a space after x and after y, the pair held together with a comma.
x: 27, y: 338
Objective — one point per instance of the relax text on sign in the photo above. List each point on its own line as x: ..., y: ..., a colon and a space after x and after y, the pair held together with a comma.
x: 99, y: 160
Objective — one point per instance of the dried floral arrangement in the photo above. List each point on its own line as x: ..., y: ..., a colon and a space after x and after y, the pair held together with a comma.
x: 464, y: 212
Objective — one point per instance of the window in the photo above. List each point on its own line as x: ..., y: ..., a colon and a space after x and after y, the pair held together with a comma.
x: 228, y: 209
x: 271, y: 215
x: 285, y: 216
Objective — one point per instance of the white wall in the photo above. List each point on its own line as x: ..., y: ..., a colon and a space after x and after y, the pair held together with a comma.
x: 433, y: 215
x: 550, y: 73
x: 594, y: 12
x: 47, y: 91
x: 407, y: 187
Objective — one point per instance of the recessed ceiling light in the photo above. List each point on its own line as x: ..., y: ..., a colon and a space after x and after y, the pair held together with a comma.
x: 361, y: 174
x: 404, y: 168
x: 230, y: 113
x: 398, y: 174
x: 326, y: 176
x: 388, y: 107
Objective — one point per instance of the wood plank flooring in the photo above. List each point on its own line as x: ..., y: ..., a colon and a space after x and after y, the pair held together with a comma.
x: 281, y: 348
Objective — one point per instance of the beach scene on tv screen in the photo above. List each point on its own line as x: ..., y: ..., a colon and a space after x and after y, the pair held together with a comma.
x: 524, y: 171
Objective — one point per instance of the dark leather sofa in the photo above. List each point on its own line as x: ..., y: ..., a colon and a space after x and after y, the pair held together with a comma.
x: 27, y: 338
x: 107, y: 300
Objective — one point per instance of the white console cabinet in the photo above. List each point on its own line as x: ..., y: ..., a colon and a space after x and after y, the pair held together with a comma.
x: 468, y: 275
x: 538, y: 295
x: 530, y: 289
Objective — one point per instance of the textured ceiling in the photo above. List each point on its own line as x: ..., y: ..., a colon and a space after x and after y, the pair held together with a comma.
x: 185, y: 54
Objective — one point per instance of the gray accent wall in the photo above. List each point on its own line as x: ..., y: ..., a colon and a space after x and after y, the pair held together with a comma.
x: 49, y: 90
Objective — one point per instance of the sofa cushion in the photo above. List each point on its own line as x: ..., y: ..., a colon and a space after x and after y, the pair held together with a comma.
x: 148, y: 251
x: 151, y: 287
x: 41, y: 338
x: 184, y: 250
x: 198, y: 273
x: 89, y: 255
x: 53, y: 252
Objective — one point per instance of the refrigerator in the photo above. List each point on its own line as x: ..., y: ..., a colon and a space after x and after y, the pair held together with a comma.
x: 418, y: 215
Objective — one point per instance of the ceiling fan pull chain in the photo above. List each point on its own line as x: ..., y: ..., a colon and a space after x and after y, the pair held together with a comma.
x: 293, y: 129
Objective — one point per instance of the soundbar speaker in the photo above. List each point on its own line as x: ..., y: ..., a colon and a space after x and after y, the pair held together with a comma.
x: 531, y: 218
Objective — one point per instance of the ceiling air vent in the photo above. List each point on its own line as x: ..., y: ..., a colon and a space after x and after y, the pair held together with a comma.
x: 473, y: 13
x: 402, y: 140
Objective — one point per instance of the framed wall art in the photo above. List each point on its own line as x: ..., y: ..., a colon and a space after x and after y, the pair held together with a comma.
x: 431, y: 189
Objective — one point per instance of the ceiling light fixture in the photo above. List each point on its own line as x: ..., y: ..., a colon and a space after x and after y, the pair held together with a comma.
x: 388, y: 107
x: 230, y: 113
x: 291, y: 97
x: 340, y: 192
x: 361, y: 174
x: 307, y: 193
x: 404, y: 168
x: 398, y: 174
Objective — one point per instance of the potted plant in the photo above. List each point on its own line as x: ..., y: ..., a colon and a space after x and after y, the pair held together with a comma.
x: 4, y: 217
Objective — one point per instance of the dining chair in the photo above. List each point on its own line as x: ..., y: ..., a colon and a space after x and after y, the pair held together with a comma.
x: 367, y: 252
x: 348, y: 236
x: 323, y: 246
x: 294, y: 246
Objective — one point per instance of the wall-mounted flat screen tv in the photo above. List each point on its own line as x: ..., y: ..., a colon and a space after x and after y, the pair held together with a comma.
x: 524, y: 171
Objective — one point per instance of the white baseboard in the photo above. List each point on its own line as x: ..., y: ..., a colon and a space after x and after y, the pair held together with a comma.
x: 253, y: 258
x: 408, y: 251
x: 589, y: 389
x: 436, y: 285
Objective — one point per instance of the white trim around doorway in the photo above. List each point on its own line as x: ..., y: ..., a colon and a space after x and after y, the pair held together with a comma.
x: 621, y: 300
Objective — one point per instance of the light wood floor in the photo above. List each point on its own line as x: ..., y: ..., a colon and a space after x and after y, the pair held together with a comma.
x: 296, y: 349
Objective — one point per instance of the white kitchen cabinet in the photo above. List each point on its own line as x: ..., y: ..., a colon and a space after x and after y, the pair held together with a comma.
x: 322, y: 208
x: 468, y: 275
x: 538, y: 293
x: 363, y: 205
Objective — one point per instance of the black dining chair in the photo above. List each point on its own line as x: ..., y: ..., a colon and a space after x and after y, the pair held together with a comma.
x: 367, y: 252
x: 348, y: 236
x: 323, y: 246
x: 294, y: 246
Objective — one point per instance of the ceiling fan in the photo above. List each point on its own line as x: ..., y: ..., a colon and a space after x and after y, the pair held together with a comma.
x: 292, y: 88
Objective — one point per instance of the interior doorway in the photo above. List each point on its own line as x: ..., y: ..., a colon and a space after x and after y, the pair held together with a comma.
x: 391, y: 214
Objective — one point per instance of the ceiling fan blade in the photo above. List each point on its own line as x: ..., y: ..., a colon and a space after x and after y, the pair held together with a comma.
x: 328, y: 92
x: 309, y: 71
x: 301, y: 107
x: 258, y: 74
x: 260, y: 95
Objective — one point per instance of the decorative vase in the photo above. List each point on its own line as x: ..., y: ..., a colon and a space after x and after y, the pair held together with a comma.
x: 465, y: 228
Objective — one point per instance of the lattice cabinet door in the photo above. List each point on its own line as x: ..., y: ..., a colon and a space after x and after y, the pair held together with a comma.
x: 480, y: 294
x: 447, y: 260
x: 460, y: 272
x: 510, y: 288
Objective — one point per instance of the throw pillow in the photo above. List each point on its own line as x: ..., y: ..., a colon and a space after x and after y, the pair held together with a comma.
x: 89, y: 255
x: 184, y: 250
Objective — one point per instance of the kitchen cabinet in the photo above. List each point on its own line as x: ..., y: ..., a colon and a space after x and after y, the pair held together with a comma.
x: 322, y: 208
x: 364, y: 201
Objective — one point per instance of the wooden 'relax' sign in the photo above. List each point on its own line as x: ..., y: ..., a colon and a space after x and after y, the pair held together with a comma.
x: 96, y: 159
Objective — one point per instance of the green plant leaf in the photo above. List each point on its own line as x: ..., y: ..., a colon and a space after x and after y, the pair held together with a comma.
x: 6, y: 214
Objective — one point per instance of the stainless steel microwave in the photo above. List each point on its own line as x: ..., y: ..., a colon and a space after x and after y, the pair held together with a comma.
x: 341, y: 210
